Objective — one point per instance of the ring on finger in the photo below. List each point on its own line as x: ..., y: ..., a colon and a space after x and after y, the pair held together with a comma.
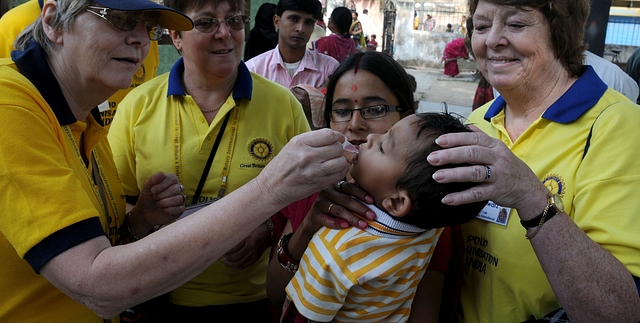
x: 330, y: 206
x: 184, y: 198
x: 181, y: 189
x: 488, y: 176
x: 339, y: 185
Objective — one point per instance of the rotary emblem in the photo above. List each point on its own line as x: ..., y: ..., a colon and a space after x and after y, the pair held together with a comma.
x: 555, y: 184
x: 261, y: 149
x: 140, y: 74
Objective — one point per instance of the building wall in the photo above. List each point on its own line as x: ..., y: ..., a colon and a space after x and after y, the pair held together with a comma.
x: 417, y: 47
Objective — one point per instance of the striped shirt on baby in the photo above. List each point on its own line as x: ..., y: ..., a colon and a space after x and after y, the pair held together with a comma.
x: 369, y: 275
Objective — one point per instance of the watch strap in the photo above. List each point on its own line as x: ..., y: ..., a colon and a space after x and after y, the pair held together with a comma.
x: 550, y: 211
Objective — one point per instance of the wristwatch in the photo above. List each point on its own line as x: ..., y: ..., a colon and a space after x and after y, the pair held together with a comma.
x: 554, y: 206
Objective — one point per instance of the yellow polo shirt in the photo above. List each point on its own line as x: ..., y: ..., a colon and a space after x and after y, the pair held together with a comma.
x: 48, y: 199
x: 145, y: 141
x: 503, y: 280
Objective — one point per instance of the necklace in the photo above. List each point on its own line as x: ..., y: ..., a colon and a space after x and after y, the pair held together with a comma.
x: 216, y: 108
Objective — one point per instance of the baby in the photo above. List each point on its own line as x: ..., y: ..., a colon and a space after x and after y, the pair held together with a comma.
x: 371, y: 275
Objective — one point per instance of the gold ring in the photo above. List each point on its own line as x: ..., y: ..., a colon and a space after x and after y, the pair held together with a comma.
x: 181, y: 189
x: 330, y: 206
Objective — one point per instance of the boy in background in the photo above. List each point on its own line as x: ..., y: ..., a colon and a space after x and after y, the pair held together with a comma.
x: 372, y: 44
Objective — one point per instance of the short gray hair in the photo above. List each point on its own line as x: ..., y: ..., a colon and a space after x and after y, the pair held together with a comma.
x: 65, y: 14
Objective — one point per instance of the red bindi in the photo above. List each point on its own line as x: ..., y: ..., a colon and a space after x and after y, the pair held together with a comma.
x: 354, y: 88
x: 356, y: 100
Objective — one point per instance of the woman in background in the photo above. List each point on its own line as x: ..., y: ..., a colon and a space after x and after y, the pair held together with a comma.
x: 263, y: 36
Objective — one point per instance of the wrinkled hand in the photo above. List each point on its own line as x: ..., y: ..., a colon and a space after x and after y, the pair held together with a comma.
x: 512, y: 182
x: 249, y: 250
x: 308, y: 163
x: 345, y: 211
x: 161, y: 200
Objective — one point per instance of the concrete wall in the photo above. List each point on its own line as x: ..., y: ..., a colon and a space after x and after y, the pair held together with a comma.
x: 420, y: 48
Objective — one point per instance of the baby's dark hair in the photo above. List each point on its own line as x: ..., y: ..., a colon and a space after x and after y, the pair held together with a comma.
x: 427, y: 210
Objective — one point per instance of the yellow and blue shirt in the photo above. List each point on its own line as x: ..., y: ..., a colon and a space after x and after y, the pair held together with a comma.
x: 597, y: 178
x: 159, y: 127
x: 49, y: 201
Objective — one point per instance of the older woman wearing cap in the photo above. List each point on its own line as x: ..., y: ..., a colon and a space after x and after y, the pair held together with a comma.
x: 63, y: 207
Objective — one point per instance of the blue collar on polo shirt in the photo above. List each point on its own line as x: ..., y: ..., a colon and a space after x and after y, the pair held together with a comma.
x: 32, y: 63
x: 241, y: 90
x: 578, y: 99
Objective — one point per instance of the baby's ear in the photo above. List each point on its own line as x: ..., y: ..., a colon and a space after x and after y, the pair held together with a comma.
x: 398, y: 204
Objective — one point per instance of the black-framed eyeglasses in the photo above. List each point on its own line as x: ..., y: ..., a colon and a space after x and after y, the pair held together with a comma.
x: 127, y: 20
x: 367, y: 113
x: 210, y: 25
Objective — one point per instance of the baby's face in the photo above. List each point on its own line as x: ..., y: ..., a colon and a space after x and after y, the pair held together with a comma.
x: 382, y: 159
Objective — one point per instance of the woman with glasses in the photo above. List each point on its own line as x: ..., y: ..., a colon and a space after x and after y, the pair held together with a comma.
x: 217, y: 126
x: 64, y: 223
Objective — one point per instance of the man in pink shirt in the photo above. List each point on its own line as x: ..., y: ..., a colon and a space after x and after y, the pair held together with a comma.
x: 291, y: 63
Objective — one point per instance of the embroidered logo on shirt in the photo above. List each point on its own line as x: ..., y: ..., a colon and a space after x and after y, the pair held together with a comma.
x: 261, y: 149
x: 555, y: 184
x: 140, y: 75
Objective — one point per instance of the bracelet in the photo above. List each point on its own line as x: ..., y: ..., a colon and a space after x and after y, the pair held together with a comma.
x: 284, y: 259
x: 270, y: 226
x: 542, y: 219
x: 125, y: 229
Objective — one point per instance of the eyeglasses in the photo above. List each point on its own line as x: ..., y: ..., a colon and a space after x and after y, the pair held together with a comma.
x: 367, y: 113
x: 210, y: 25
x: 127, y: 20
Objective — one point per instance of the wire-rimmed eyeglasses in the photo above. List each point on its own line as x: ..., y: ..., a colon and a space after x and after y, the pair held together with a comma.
x: 127, y: 20
x: 373, y: 112
x: 210, y: 25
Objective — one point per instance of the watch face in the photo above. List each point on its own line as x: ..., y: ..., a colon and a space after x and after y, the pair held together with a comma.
x: 557, y: 201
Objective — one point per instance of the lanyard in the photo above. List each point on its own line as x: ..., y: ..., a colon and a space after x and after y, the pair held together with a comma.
x: 100, y: 185
x: 229, y: 153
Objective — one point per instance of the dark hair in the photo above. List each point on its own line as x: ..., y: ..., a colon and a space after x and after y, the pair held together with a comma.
x: 341, y: 17
x: 365, y: 11
x: 427, y: 209
x: 313, y: 7
x: 566, y: 19
x: 380, y: 64
x: 185, y: 5
x: 355, y: 13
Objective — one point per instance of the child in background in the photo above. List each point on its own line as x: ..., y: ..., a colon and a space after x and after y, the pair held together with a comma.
x: 371, y: 275
x: 372, y: 44
x: 449, y: 28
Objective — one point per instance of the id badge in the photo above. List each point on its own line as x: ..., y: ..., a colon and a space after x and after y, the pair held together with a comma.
x: 104, y: 106
x: 495, y: 213
x: 195, y: 208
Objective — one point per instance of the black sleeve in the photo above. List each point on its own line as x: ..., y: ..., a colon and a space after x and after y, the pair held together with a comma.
x: 63, y: 240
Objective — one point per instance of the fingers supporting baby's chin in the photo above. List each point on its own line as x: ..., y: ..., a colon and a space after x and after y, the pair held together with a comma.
x: 347, y: 188
x: 333, y: 223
